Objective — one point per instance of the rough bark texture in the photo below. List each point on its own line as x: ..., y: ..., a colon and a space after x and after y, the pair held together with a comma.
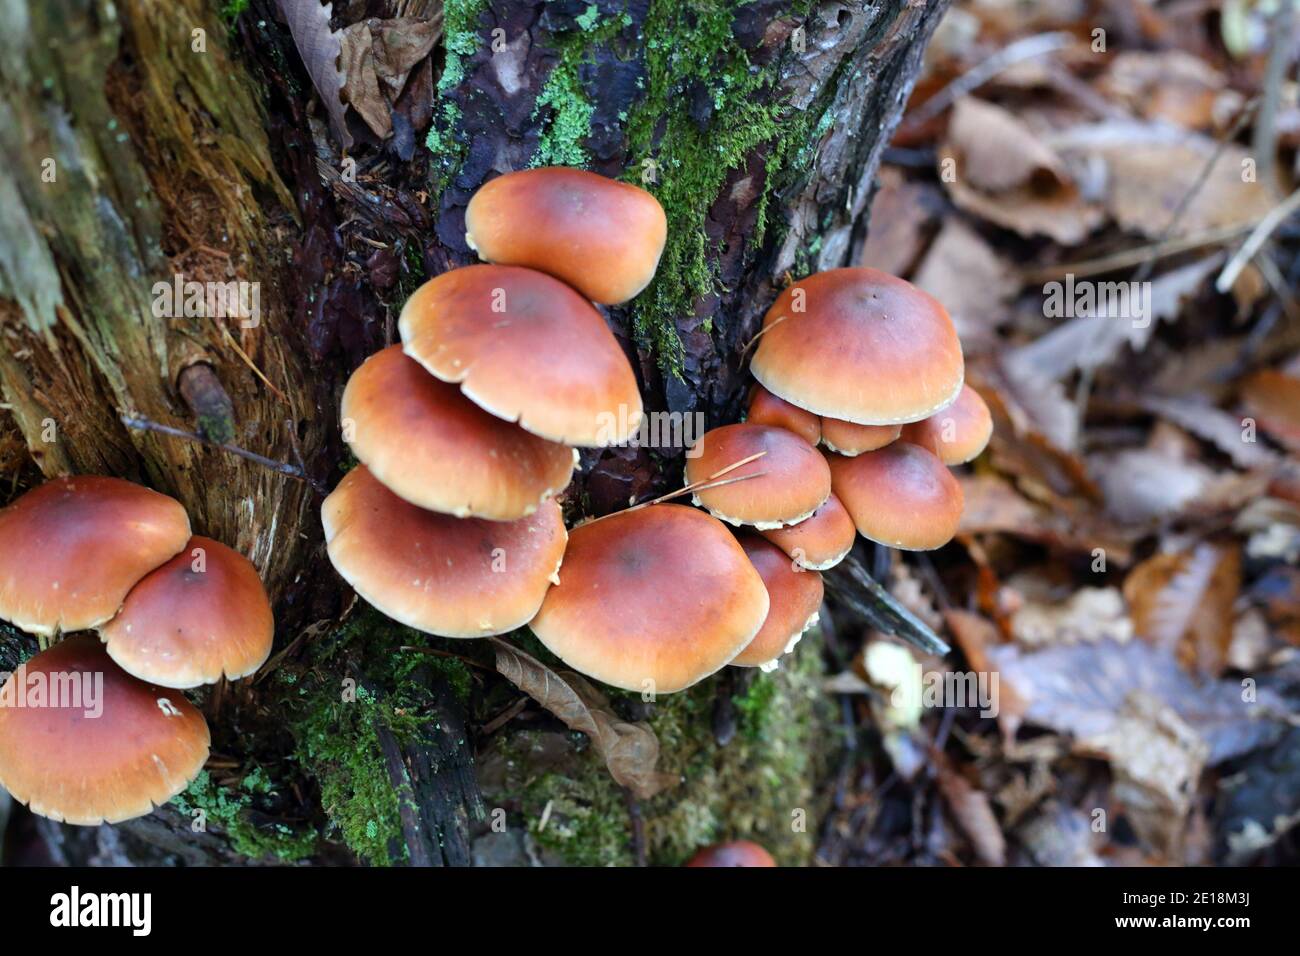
x: 759, y: 126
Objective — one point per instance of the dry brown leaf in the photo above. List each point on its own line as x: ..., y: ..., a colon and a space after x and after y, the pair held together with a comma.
x: 900, y: 218
x: 631, y: 751
x: 1145, y: 485
x: 1273, y: 399
x: 972, y: 810
x: 320, y: 49
x: 377, y: 57
x: 1169, y: 85
x: 974, y: 635
x: 1184, y: 603
x: 1005, y: 174
x: 1080, y: 689
x: 1089, y: 614
x: 963, y: 271
x: 1221, y: 429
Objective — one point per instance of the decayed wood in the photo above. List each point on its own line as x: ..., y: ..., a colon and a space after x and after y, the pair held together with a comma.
x: 167, y: 161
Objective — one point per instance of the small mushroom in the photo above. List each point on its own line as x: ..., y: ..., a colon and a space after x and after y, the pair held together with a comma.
x: 794, y: 599
x: 601, y: 236
x: 846, y: 438
x: 862, y: 346
x: 527, y: 348
x: 72, y: 548
x: 202, y: 616
x: 957, y: 434
x: 435, y: 448
x: 900, y: 495
x: 652, y: 599
x: 766, y: 409
x: 454, y: 577
x: 819, y: 542
x: 101, y: 746
x: 793, y: 480
x: 735, y: 853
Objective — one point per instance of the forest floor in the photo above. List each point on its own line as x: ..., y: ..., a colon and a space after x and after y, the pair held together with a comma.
x: 1127, y: 564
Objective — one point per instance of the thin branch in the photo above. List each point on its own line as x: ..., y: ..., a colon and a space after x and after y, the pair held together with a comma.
x: 140, y: 423
x: 879, y: 608
x: 1255, y: 241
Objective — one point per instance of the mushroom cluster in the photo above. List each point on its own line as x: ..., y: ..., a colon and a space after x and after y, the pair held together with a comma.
x: 95, y: 729
x: 467, y: 431
x: 869, y: 368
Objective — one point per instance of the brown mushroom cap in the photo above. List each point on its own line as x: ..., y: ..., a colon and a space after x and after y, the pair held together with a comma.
x: 736, y: 853
x: 89, y: 754
x: 794, y: 479
x: 601, y: 236
x: 901, y: 496
x: 819, y: 542
x: 794, y: 598
x: 526, y: 348
x: 867, y: 347
x: 766, y: 409
x: 846, y: 438
x: 201, y: 616
x: 72, y: 548
x: 434, y: 447
x: 958, y: 433
x: 654, y: 599
x: 455, y: 577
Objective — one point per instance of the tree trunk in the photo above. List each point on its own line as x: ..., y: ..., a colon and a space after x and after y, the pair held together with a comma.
x: 147, y: 141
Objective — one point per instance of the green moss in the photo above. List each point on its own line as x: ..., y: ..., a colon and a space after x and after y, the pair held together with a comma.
x: 750, y: 788
x: 227, y: 811
x: 337, y: 726
x: 231, y: 9
x: 460, y: 39
x: 692, y: 45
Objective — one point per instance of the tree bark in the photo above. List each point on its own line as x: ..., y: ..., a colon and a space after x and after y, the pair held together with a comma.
x: 139, y: 149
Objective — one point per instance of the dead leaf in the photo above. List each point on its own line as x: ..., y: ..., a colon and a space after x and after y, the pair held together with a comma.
x: 377, y: 57
x: 1089, y: 614
x: 1003, y: 172
x: 1184, y: 602
x: 1273, y: 398
x: 320, y: 49
x: 901, y: 213
x: 962, y: 270
x: 973, y: 812
x: 1145, y: 485
x: 1169, y: 85
x: 1221, y: 429
x: 1080, y: 690
x: 631, y: 751
x: 974, y: 635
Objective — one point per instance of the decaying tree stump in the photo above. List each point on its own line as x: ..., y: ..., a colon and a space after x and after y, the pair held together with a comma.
x: 149, y: 145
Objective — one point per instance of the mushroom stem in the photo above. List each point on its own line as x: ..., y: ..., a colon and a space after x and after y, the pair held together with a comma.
x: 140, y: 423
x: 880, y: 608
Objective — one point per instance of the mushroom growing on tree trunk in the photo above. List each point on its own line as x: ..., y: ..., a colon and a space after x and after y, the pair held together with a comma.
x: 157, y: 155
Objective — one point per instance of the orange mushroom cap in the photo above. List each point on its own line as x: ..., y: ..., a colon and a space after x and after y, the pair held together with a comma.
x: 901, y: 496
x: 455, y: 577
x: 72, y: 548
x: 202, y: 616
x: 766, y: 409
x: 820, y: 541
x: 862, y: 346
x: 601, y: 236
x: 653, y: 598
x: 736, y: 853
x: 99, y: 746
x: 527, y: 348
x: 957, y: 434
x: 846, y: 438
x: 793, y: 480
x: 794, y: 599
x: 434, y: 447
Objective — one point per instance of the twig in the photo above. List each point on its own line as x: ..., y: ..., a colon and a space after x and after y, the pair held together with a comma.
x: 1029, y: 48
x: 1264, y: 142
x: 1126, y: 258
x: 1255, y: 241
x: 140, y: 423
x: 704, y: 484
x: 880, y: 608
